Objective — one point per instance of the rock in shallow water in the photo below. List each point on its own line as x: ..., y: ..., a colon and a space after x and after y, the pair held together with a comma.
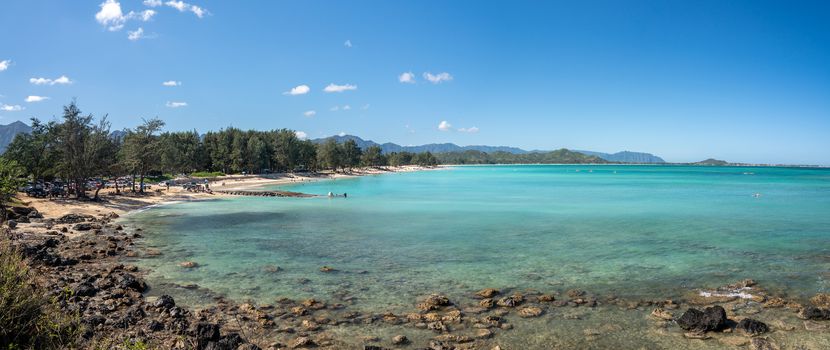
x: 710, y: 319
x: 399, y: 340
x: 530, y: 311
x: 753, y: 327
x: 487, y: 293
x: 762, y: 344
x: 814, y: 313
x: 433, y: 302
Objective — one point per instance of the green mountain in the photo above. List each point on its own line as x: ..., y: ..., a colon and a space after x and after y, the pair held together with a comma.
x: 562, y: 156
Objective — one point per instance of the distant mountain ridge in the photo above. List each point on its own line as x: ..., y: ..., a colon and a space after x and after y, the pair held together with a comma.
x: 9, y: 131
x: 432, y: 147
x: 621, y: 157
x: 627, y: 157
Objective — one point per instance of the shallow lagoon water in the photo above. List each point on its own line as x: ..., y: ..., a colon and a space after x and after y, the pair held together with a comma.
x: 637, y: 231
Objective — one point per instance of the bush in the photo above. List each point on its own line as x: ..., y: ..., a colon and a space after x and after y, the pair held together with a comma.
x: 29, y: 319
x: 207, y: 174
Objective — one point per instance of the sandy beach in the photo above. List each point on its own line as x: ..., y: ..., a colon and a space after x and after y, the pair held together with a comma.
x: 127, y: 201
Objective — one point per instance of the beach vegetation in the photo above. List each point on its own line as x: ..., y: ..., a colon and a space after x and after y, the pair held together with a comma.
x: 11, y: 178
x: 28, y: 318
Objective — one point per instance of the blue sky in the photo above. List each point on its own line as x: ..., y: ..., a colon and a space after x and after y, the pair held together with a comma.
x: 687, y: 80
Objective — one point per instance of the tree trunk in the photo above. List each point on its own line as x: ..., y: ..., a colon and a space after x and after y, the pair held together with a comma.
x: 133, y: 183
x: 117, y: 190
x: 80, y: 192
x: 97, y: 189
x: 141, y: 188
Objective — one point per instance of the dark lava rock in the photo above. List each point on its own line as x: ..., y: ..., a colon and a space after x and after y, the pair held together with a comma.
x: 228, y: 342
x: 85, y: 289
x: 155, y: 326
x: 176, y: 312
x: 94, y: 320
x: 82, y: 227
x: 814, y: 313
x: 710, y: 319
x: 753, y: 327
x: 373, y: 347
x: 11, y: 223
x: 248, y: 346
x: 164, y: 302
x: 128, y: 281
x: 206, y: 333
x: 74, y: 218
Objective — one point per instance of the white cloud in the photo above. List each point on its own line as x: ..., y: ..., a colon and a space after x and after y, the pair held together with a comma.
x: 470, y: 130
x: 183, y: 6
x: 62, y: 80
x: 365, y: 107
x: 135, y: 34
x: 341, y: 134
x: 114, y: 19
x: 176, y: 104
x: 31, y: 99
x: 444, y: 126
x: 4, y: 64
x: 111, y: 15
x: 407, y: 77
x: 152, y: 3
x: 11, y: 108
x: 437, y: 78
x: 298, y: 90
x: 310, y: 113
x: 145, y: 15
x: 301, y: 135
x: 339, y: 88
x: 348, y: 43
x: 339, y: 108
x: 171, y: 83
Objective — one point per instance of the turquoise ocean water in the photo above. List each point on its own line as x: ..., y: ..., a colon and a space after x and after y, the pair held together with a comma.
x: 641, y: 231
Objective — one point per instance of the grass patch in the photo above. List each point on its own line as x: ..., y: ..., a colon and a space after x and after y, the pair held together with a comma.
x: 29, y: 319
x: 159, y: 178
x: 207, y: 174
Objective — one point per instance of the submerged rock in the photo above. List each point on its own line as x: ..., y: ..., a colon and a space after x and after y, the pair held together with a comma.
x: 821, y: 300
x: 753, y: 327
x: 814, y: 313
x: 433, y: 302
x: 762, y: 344
x: 188, y: 264
x: 710, y: 319
x: 487, y: 293
x: 511, y: 301
x: 400, y: 340
x: 662, y: 314
x: 530, y: 311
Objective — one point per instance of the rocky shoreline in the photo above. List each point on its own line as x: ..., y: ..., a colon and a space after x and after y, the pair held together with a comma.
x: 80, y: 259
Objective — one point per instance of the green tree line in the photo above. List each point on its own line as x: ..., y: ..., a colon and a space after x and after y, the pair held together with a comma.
x: 77, y: 148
